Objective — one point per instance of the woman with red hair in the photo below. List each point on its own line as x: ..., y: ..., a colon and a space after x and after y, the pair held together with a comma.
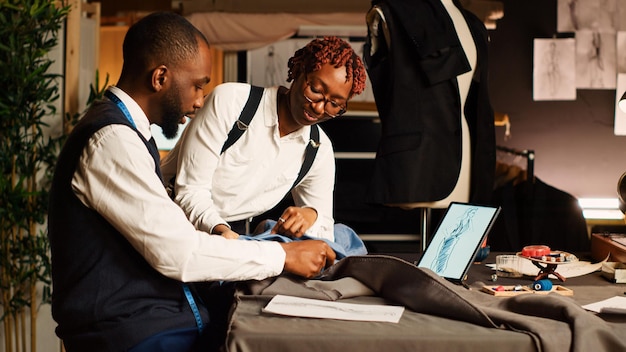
x: 222, y: 181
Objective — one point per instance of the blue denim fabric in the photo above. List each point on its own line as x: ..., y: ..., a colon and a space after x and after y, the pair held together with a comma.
x: 347, y: 242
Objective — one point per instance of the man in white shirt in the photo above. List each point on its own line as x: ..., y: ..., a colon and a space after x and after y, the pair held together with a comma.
x: 121, y: 249
x: 220, y: 188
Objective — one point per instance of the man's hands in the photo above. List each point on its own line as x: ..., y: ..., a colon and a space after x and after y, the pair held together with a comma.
x: 295, y: 221
x: 307, y: 258
x: 304, y: 258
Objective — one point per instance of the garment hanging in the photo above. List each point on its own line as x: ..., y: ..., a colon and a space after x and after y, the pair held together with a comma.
x: 413, y: 72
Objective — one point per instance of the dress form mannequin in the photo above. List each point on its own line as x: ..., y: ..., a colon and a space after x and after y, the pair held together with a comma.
x: 461, y: 190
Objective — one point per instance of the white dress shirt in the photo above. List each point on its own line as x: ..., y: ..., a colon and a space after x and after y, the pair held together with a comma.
x: 255, y: 173
x: 116, y: 178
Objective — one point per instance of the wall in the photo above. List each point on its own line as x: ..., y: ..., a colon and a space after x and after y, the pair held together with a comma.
x: 110, y: 57
x: 268, y: 6
x: 114, y: 7
x: 576, y: 150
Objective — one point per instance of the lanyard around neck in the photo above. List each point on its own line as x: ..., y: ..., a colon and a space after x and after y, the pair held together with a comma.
x: 120, y: 104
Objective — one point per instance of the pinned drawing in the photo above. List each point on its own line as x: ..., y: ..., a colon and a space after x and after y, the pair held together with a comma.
x: 267, y: 66
x: 274, y: 71
x: 576, y: 15
x: 621, y: 52
x: 596, y: 59
x: 554, y: 69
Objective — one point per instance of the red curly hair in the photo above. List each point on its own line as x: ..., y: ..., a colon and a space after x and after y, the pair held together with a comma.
x: 329, y: 50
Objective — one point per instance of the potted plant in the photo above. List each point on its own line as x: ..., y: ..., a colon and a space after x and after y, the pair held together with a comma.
x: 29, y: 30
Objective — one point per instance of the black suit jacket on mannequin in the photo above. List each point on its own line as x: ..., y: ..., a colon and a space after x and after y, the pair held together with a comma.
x: 417, y: 95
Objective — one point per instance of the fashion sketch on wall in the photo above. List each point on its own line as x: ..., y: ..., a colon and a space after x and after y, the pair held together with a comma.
x: 595, y: 24
x: 554, y: 69
x: 595, y: 59
x: 600, y: 15
x: 267, y: 66
x: 621, y: 52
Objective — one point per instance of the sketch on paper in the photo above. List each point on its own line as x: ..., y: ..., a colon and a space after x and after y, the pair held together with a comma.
x: 621, y: 16
x: 314, y: 308
x: 595, y: 60
x: 267, y: 66
x: 554, y: 69
x: 621, y: 52
x: 274, y: 70
x: 576, y: 15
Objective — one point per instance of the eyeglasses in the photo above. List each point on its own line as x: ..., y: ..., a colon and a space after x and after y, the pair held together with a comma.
x: 331, y: 108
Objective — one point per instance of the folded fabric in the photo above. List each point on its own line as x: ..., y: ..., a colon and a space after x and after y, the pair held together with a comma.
x: 555, y: 323
x: 343, y: 288
x: 347, y: 242
x: 266, y: 236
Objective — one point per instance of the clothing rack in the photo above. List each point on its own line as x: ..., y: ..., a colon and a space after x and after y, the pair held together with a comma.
x: 529, y: 154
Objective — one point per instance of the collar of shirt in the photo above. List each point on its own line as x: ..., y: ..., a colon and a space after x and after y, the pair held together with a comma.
x: 272, y: 119
x: 139, y: 117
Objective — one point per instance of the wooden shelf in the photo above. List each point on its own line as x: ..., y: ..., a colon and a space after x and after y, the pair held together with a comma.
x: 602, y: 246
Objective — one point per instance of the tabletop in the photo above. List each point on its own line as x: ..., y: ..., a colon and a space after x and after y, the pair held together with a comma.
x: 250, y: 329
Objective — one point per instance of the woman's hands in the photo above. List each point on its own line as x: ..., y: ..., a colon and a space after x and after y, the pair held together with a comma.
x: 295, y: 221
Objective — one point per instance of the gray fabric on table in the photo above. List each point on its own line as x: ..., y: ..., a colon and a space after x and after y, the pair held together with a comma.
x: 555, y: 322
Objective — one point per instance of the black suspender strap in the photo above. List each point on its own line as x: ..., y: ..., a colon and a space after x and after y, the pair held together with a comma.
x: 309, y: 154
x: 245, y: 225
x: 241, y: 125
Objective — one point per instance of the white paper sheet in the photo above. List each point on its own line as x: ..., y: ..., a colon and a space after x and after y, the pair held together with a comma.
x: 613, y: 305
x: 313, y: 308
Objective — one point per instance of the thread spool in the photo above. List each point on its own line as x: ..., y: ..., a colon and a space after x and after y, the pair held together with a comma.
x: 542, y: 285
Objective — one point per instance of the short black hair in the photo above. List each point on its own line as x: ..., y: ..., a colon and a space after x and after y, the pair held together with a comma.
x: 161, y: 38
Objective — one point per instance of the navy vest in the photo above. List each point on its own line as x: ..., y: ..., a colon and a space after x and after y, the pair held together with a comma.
x: 105, y: 295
